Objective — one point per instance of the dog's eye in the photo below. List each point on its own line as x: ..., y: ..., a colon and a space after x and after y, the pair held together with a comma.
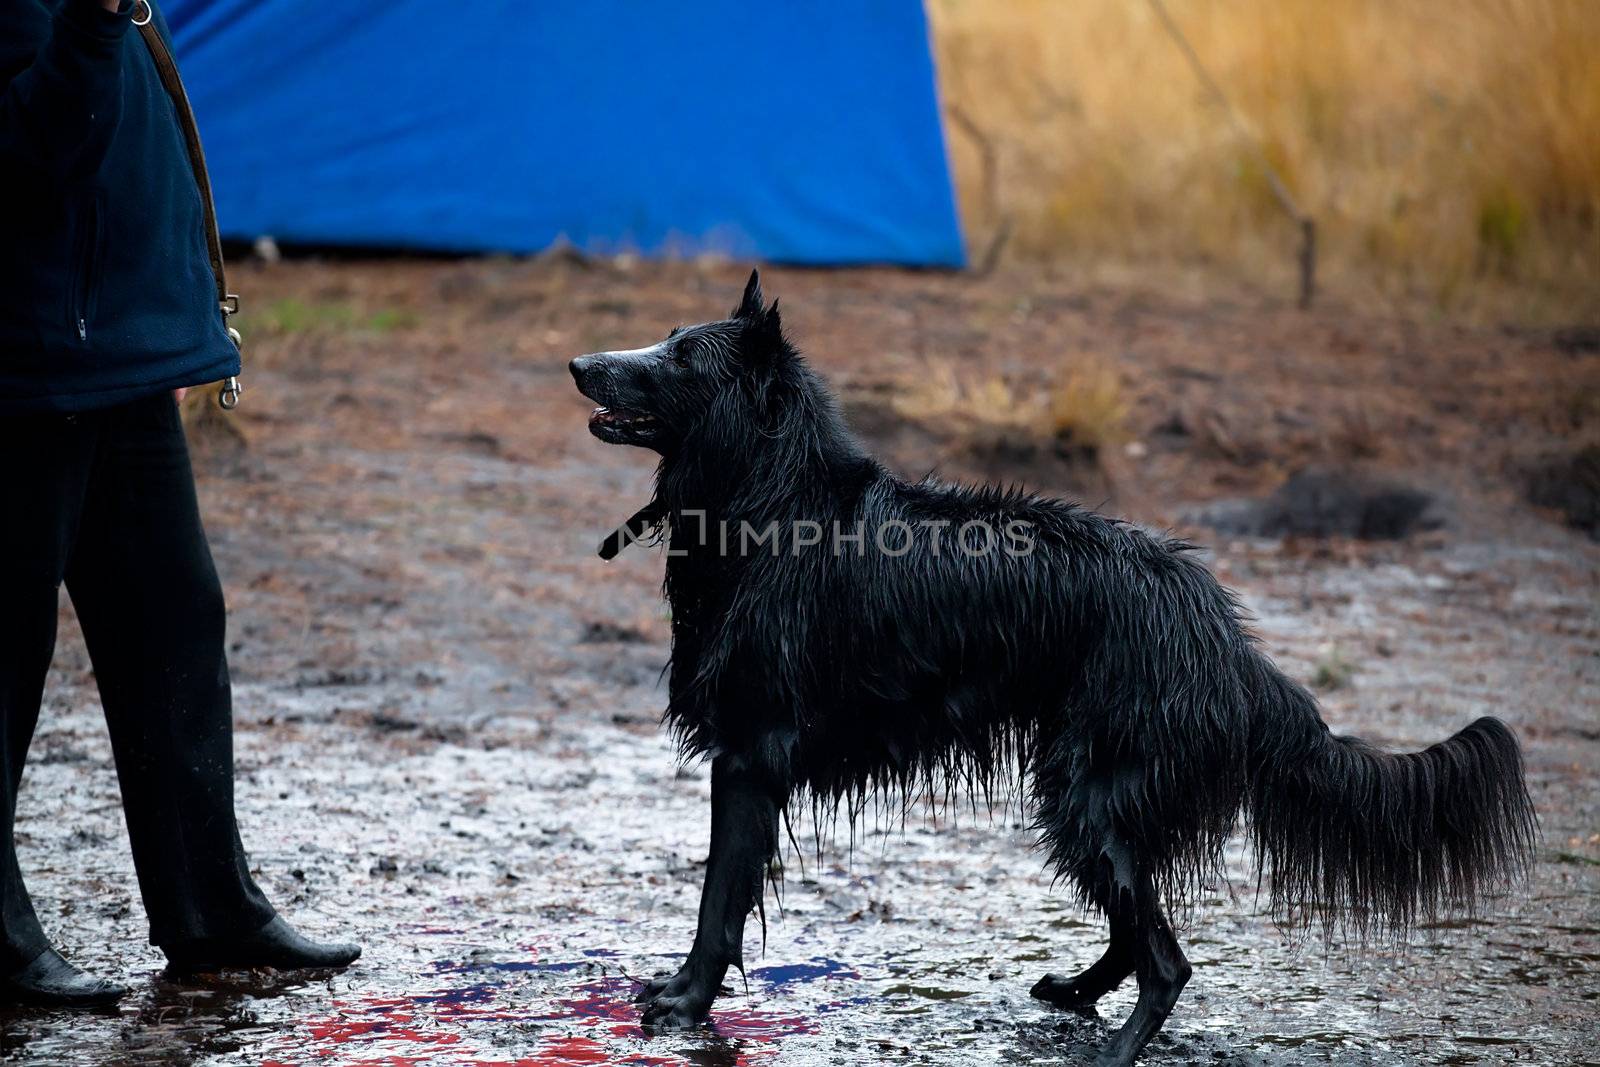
x: 681, y: 353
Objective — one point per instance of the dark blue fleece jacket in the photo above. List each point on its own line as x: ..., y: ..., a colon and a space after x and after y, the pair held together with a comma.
x: 106, y: 294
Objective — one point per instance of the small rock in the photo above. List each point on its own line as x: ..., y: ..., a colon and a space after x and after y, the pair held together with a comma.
x: 1328, y: 502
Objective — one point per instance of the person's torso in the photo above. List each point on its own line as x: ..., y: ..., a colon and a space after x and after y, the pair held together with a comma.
x: 105, y: 281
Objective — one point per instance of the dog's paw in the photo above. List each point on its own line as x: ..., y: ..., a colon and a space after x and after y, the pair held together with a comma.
x: 666, y: 985
x: 1116, y: 1054
x: 1064, y: 993
x: 682, y: 1011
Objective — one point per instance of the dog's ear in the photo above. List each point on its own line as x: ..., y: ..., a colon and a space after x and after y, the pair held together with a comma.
x: 750, y: 306
x: 763, y: 324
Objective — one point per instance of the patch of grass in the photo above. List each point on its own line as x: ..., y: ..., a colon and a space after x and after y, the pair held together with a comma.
x: 943, y: 396
x: 1434, y: 148
x: 1082, y: 413
x: 387, y: 319
x: 1502, y: 225
x: 1575, y: 858
x: 1332, y: 671
x: 1088, y: 411
x: 294, y: 316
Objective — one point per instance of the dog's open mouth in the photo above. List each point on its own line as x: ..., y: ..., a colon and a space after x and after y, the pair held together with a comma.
x: 609, y: 423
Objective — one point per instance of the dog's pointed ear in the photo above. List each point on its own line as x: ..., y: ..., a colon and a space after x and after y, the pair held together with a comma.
x: 771, y: 322
x: 750, y: 306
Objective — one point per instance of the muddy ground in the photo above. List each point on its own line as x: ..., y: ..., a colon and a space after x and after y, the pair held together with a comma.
x: 446, y: 705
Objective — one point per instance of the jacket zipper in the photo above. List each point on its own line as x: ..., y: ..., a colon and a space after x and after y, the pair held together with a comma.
x: 80, y: 289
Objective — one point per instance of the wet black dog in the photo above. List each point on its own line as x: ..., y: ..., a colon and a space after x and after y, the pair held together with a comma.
x: 836, y: 630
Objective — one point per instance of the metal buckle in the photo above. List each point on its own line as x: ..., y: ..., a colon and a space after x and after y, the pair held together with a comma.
x: 230, y: 304
x: 228, y: 395
x: 149, y: 13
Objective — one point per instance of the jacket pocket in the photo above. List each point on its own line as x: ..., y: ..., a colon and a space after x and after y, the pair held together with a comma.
x: 83, y: 278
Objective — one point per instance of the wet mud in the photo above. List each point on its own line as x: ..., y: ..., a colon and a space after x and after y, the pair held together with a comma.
x: 447, y: 744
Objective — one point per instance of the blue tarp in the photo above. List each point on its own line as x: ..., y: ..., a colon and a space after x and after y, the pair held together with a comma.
x: 807, y: 133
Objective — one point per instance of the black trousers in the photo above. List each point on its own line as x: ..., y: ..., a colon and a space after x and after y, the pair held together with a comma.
x: 105, y: 502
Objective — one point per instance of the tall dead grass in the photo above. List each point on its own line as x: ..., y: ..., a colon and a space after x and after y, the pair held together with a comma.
x: 1449, y: 151
x: 1080, y: 414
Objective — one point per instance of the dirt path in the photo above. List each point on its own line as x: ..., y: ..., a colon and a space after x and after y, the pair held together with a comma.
x: 446, y: 704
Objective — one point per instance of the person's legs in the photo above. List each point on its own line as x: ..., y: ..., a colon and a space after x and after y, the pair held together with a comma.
x: 151, y: 606
x: 44, y: 471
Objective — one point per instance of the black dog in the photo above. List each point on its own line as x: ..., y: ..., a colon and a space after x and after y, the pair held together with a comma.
x: 837, y: 630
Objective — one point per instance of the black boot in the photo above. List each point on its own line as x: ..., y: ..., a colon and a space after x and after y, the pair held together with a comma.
x: 275, y: 945
x: 50, y: 981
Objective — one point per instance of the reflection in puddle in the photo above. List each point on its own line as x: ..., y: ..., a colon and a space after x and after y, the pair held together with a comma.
x: 534, y: 1005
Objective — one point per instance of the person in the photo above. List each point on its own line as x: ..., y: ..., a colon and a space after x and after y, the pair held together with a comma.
x: 108, y: 306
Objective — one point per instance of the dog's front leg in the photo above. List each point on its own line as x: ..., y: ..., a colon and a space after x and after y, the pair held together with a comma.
x: 744, y: 836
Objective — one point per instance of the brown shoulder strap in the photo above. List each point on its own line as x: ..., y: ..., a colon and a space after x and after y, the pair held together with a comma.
x: 144, y: 19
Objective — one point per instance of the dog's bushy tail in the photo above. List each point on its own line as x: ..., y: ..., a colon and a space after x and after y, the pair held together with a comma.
x: 1365, y: 842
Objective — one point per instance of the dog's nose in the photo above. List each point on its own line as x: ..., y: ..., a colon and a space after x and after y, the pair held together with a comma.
x: 579, y: 367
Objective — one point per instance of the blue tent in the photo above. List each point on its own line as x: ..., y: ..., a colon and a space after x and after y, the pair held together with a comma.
x: 806, y: 133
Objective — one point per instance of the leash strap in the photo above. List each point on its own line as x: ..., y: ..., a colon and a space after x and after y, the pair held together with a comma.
x: 228, y: 303
x: 632, y: 530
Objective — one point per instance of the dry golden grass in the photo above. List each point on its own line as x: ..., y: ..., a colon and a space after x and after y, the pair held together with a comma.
x: 1082, y: 413
x: 1087, y: 409
x: 1449, y: 152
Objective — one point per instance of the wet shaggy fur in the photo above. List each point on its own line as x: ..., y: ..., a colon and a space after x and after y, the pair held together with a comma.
x: 1104, y: 669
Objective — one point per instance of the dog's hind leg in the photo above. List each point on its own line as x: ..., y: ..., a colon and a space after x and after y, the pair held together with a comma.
x: 744, y: 836
x: 1076, y: 811
x: 1082, y: 990
x: 1159, y: 963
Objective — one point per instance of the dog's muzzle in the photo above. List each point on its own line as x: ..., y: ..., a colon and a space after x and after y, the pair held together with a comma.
x: 609, y: 422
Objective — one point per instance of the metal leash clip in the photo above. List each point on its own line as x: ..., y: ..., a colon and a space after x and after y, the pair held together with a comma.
x: 228, y: 395
x: 142, y: 13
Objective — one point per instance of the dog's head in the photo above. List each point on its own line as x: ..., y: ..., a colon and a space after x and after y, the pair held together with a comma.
x: 656, y: 397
